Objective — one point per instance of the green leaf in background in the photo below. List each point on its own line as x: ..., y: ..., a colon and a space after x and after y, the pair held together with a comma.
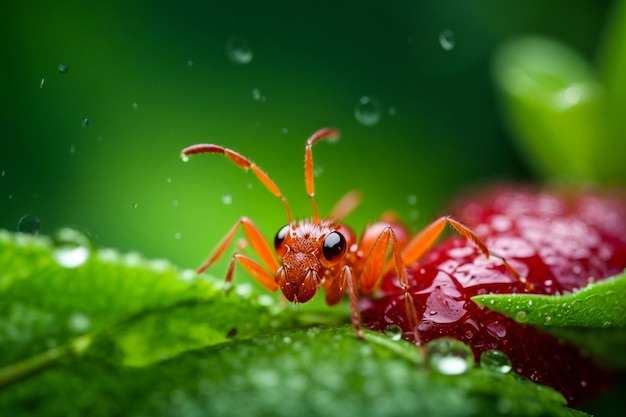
x: 593, y: 317
x: 317, y: 371
x: 553, y: 103
x: 612, y: 72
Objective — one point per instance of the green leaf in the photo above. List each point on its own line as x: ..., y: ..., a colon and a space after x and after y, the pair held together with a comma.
x: 317, y: 371
x: 553, y: 103
x: 612, y: 65
x: 152, y: 309
x: 593, y: 317
x: 122, y: 335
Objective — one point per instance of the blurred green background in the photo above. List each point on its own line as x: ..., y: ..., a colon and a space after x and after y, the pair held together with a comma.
x: 98, y: 146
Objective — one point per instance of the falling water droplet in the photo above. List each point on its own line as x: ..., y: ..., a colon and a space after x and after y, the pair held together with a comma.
x: 367, y: 111
x: 185, y: 158
x: 446, y: 40
x: 227, y: 199
x: 79, y: 322
x: 135, y: 106
x: 412, y: 199
x: 391, y: 111
x: 135, y: 205
x: 62, y: 68
x: 42, y: 82
x: 256, y: 94
x: 29, y: 224
x: 238, y: 50
x: 393, y: 331
x: 449, y: 356
x: 495, y: 360
x: 72, y: 247
x: 85, y: 122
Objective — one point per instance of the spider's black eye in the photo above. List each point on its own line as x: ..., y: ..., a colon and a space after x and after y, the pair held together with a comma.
x: 280, y: 236
x: 334, y: 246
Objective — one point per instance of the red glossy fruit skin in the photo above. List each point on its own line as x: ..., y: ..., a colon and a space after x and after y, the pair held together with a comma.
x: 559, y: 241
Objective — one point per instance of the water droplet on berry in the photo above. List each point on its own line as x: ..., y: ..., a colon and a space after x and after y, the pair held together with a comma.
x: 393, y: 331
x: 495, y: 360
x: 72, y: 248
x: 238, y: 50
x: 367, y: 111
x: 62, y: 68
x: 446, y: 40
x: 449, y: 356
x: 29, y: 224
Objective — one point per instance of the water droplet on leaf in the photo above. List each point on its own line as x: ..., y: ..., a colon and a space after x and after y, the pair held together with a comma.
x: 367, y: 111
x: 72, y: 247
x: 29, y: 224
x: 449, y: 356
x: 446, y: 40
x: 521, y: 316
x: 393, y: 331
x: 238, y: 50
x: 495, y: 360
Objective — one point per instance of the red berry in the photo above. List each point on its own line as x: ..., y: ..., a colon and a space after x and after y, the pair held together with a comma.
x: 559, y: 241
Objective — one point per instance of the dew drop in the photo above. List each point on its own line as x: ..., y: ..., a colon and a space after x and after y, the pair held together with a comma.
x: 238, y: 50
x: 449, y: 356
x: 495, y: 360
x: 85, y: 122
x: 42, y: 82
x: 62, y: 68
x: 72, y: 248
x: 367, y: 111
x: 393, y: 331
x: 79, y: 322
x: 446, y: 40
x: 227, y: 199
x: 29, y: 224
